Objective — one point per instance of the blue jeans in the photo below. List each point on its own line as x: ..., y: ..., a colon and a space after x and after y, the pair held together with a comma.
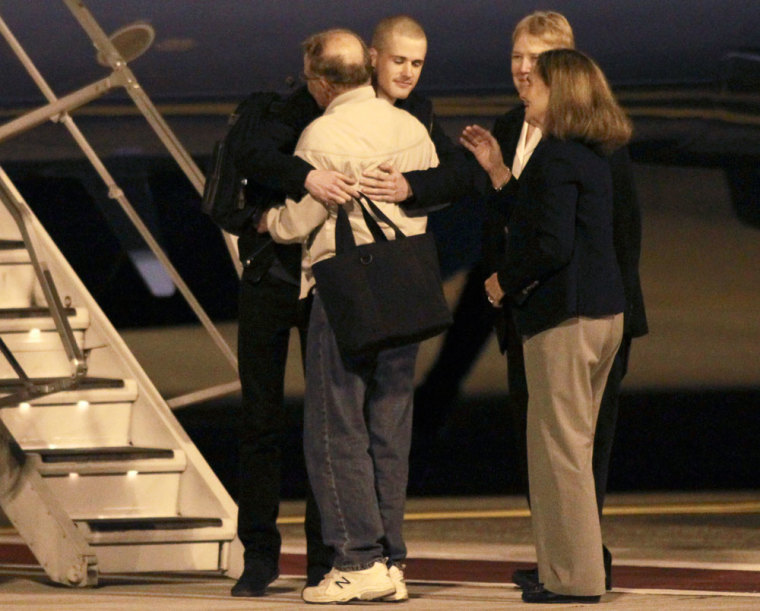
x: 357, y: 431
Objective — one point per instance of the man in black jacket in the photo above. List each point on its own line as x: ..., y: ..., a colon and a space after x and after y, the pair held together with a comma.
x: 269, y: 306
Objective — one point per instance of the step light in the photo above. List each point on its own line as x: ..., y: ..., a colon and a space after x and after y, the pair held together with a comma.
x: 34, y: 335
x: 83, y: 405
x: 24, y: 407
x: 131, y: 474
x: 73, y: 475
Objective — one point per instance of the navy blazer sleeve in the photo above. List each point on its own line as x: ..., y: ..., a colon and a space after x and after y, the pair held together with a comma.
x: 549, y: 228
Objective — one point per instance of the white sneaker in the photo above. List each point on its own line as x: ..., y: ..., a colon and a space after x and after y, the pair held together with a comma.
x: 342, y: 586
x: 396, y: 574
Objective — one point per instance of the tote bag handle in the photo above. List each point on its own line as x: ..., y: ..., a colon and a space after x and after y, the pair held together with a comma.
x: 344, y: 236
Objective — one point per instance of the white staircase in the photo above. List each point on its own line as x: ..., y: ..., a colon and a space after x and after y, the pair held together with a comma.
x: 96, y: 473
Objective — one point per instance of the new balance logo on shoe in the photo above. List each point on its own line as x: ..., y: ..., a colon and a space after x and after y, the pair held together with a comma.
x: 343, y: 586
x: 342, y: 582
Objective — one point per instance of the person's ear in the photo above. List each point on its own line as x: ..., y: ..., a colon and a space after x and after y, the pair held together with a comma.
x: 328, y: 88
x: 373, y: 56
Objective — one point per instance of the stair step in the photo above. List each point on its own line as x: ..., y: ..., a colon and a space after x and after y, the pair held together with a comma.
x: 24, y: 319
x: 89, y: 389
x: 106, y: 461
x: 76, y: 424
x: 39, y: 354
x: 11, y: 244
x: 9, y: 385
x: 93, y: 390
x: 115, y: 490
x: 85, y: 455
x: 12, y: 255
x: 18, y: 281
x: 31, y: 312
x: 108, y: 525
x: 96, y: 414
x: 152, y: 529
x: 169, y: 557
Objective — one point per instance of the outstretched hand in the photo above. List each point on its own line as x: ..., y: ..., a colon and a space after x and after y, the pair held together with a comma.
x: 481, y: 143
x: 385, y: 184
x: 330, y: 187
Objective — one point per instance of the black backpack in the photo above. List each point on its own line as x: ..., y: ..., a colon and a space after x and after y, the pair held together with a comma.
x: 227, y: 198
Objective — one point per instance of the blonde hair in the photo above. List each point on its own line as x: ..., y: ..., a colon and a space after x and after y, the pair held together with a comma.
x: 403, y: 25
x: 552, y: 28
x: 581, y: 103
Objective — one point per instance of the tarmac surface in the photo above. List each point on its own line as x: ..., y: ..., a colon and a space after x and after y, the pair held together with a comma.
x: 671, y: 551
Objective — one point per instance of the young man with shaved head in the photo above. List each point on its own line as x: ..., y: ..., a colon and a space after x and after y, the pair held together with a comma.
x: 398, y: 51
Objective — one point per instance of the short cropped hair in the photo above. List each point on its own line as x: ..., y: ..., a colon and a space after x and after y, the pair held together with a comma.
x: 334, y: 68
x: 552, y: 28
x: 581, y: 104
x: 403, y: 25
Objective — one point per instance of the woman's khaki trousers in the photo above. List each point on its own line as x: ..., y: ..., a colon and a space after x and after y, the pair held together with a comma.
x: 566, y: 369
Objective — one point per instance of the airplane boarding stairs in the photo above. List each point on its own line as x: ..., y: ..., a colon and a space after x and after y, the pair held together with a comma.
x: 96, y: 474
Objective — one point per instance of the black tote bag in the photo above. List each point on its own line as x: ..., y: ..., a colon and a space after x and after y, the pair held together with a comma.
x: 384, y: 294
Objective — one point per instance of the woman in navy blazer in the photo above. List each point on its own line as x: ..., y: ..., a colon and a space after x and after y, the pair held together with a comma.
x: 561, y: 275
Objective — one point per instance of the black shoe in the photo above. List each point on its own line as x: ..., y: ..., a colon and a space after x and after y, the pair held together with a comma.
x: 254, y: 581
x: 525, y: 578
x: 316, y: 573
x: 539, y: 594
x: 607, y: 567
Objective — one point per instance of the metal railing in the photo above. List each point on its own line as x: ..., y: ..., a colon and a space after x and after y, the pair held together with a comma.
x: 58, y: 110
x: 35, y: 388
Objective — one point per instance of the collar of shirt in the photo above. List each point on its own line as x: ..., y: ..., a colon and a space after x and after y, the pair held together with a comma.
x: 364, y: 92
x: 525, y: 149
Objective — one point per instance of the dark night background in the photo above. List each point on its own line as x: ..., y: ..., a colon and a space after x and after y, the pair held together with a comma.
x: 690, y: 79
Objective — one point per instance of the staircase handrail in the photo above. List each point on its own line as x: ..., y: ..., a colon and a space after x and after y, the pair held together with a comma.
x: 11, y: 198
x: 58, y: 109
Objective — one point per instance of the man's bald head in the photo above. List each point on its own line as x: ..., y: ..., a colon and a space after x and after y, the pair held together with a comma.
x: 339, y: 56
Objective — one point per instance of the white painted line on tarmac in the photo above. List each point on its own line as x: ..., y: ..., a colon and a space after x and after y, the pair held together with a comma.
x: 728, y: 508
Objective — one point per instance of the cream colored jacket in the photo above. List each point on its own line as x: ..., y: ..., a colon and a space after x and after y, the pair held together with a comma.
x: 357, y: 132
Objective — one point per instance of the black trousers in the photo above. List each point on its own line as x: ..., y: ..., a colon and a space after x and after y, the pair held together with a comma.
x: 268, y: 309
x: 464, y: 341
